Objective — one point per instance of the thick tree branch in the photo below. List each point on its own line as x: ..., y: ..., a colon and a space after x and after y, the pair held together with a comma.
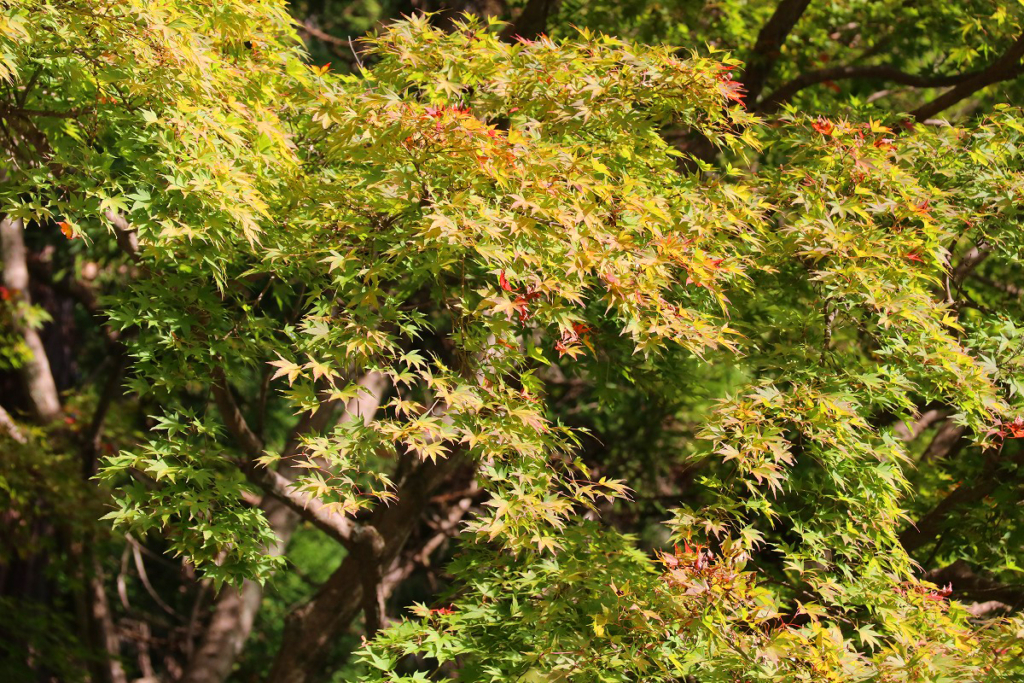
x: 339, y: 527
x: 971, y: 260
x: 947, y: 441
x: 234, y: 421
x: 45, y: 113
x: 931, y: 524
x: 126, y: 236
x: 9, y: 427
x: 234, y: 611
x: 967, y: 585
x: 927, y: 419
x: 767, y: 49
x: 105, y: 631
x: 371, y: 554
x: 35, y: 373
x: 352, y: 535
x: 531, y: 22
x: 786, y: 91
x: 310, y: 628
x: 45, y: 401
x: 445, y: 529
x: 1008, y: 66
x: 1005, y: 287
x: 91, y: 440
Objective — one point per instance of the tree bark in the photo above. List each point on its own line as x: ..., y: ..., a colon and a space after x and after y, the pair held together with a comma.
x: 768, y: 46
x: 531, y: 22
x: 234, y: 611
x: 323, y: 619
x: 786, y: 91
x: 35, y: 374
x: 105, y: 630
x: 939, y: 517
x: 967, y: 585
x: 1006, y: 67
x: 41, y: 389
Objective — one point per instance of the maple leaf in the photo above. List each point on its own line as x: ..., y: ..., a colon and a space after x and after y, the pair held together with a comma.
x: 286, y: 367
x: 732, y: 90
x: 823, y: 126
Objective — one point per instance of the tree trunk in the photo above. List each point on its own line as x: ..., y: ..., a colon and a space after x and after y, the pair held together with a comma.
x: 311, y: 628
x: 234, y: 611
x: 35, y: 374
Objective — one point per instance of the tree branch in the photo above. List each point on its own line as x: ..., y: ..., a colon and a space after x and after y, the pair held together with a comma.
x: 1005, y: 287
x: 111, y: 390
x: 971, y: 260
x: 339, y: 527
x: 10, y: 427
x: 234, y: 611
x: 309, y: 629
x: 371, y: 553
x: 948, y: 440
x: 333, y: 43
x: 767, y: 48
x: 35, y: 373
x: 925, y: 420
x: 103, y: 621
x: 126, y: 236
x: 234, y: 421
x: 350, y: 534
x: 531, y: 22
x: 929, y: 526
x: 787, y: 90
x: 45, y: 113
x: 1005, y: 68
x: 967, y: 585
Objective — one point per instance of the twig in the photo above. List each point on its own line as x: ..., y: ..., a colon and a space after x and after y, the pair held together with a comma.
x: 141, y: 567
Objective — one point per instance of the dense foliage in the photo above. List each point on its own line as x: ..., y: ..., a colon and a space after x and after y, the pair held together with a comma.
x: 527, y: 358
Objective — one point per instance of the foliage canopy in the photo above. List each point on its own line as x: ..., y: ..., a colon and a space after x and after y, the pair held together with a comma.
x: 585, y: 284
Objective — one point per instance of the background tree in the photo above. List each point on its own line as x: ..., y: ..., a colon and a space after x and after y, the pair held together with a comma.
x: 456, y: 323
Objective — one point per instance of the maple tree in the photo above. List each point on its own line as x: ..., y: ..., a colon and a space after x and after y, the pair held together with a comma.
x: 541, y: 358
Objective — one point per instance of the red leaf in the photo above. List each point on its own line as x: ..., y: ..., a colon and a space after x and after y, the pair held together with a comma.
x: 66, y: 228
x: 732, y: 90
x: 503, y: 281
x: 823, y: 126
